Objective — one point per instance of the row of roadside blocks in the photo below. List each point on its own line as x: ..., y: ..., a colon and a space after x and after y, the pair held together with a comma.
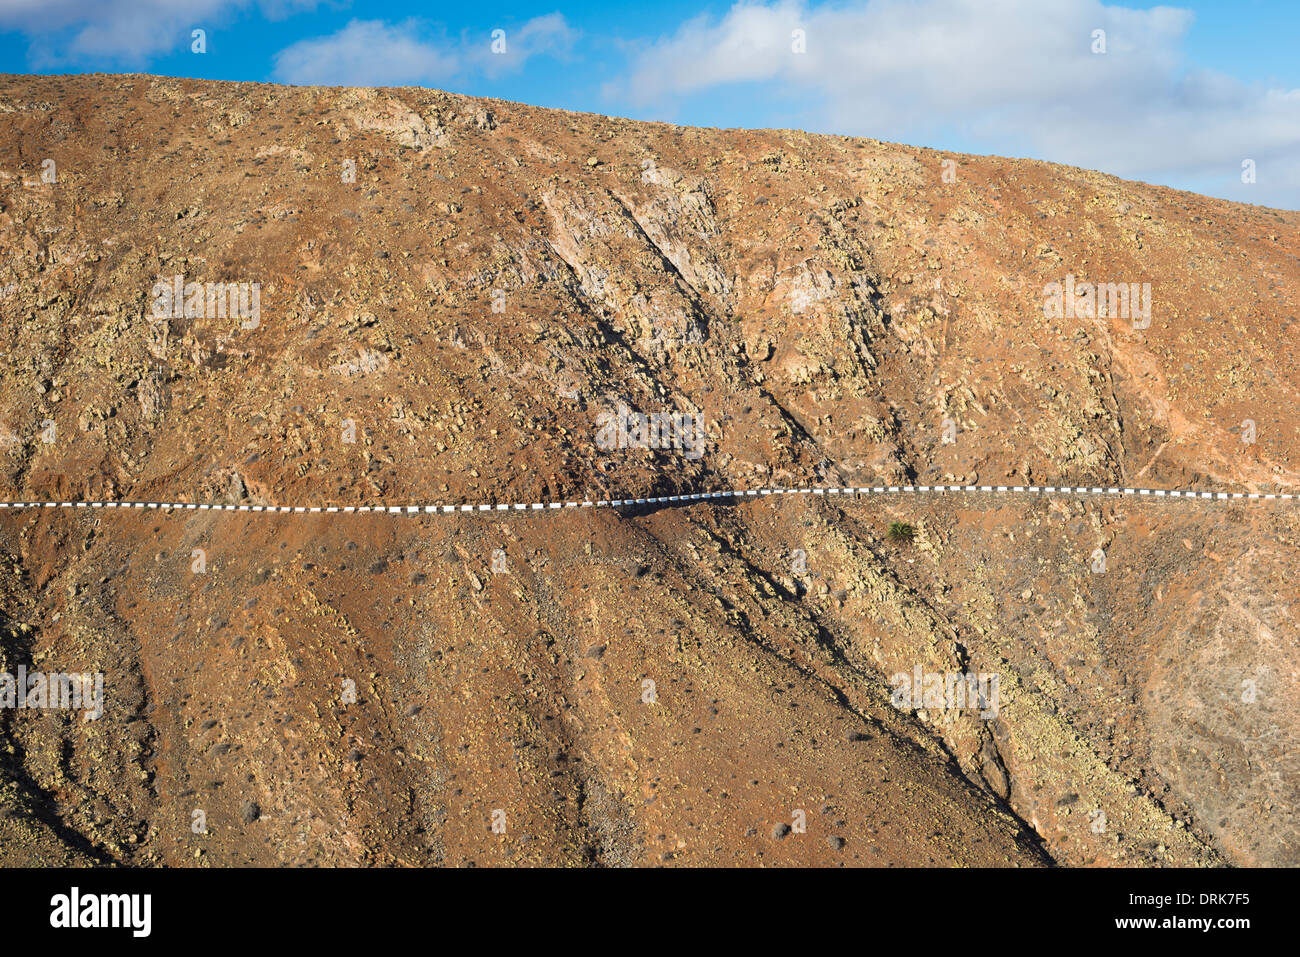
x: 666, y: 499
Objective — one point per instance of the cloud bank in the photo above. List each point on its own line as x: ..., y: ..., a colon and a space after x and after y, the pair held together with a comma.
x: 375, y: 53
x: 127, y: 31
x: 1014, y: 76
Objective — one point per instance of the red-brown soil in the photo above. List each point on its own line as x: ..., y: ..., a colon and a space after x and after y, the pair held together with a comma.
x: 823, y: 303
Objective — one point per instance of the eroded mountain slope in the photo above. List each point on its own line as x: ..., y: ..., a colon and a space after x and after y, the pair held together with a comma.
x: 451, y: 292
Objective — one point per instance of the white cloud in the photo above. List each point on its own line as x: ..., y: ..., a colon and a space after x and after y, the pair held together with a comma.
x: 67, y: 31
x: 1016, y: 75
x: 546, y: 35
x: 374, y: 53
x: 368, y: 53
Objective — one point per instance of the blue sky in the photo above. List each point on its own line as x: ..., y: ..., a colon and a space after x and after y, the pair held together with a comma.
x: 1181, y: 95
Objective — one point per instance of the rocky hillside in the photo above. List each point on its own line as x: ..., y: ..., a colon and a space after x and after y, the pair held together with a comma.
x: 243, y: 293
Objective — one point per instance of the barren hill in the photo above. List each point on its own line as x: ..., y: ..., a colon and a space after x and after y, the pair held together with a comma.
x: 219, y: 292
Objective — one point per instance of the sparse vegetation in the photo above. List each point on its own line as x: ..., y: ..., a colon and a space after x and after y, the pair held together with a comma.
x: 444, y: 328
x: 901, y: 532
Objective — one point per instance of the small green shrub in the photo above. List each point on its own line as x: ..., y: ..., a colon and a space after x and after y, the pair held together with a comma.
x: 901, y: 532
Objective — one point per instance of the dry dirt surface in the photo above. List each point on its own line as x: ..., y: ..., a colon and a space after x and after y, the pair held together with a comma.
x: 453, y: 295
